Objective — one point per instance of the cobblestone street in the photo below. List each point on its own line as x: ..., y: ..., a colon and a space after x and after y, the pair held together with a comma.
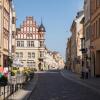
x: 53, y: 86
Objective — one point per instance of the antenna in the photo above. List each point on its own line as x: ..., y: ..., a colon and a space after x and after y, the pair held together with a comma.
x: 41, y: 21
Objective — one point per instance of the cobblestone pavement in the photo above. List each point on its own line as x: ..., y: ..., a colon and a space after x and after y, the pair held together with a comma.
x: 53, y: 86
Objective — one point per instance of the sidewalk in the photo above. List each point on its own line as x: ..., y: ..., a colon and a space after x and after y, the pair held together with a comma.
x: 25, y: 92
x: 92, y: 83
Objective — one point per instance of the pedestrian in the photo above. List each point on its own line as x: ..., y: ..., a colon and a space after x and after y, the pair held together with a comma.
x: 83, y: 73
x: 89, y: 72
x: 86, y: 72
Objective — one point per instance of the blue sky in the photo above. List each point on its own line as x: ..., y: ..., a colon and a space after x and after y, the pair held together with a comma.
x: 57, y: 16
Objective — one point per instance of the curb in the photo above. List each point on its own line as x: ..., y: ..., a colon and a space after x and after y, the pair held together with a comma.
x: 81, y: 82
x: 34, y: 86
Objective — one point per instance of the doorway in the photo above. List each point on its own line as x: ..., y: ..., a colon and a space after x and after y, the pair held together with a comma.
x: 98, y: 63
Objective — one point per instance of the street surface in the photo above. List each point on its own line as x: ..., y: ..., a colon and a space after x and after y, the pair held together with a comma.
x: 52, y: 85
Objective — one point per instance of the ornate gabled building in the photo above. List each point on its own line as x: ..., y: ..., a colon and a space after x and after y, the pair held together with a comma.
x: 30, y: 47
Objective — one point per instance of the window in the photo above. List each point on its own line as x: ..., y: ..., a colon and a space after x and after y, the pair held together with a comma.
x: 28, y: 64
x: 32, y: 43
x: 93, y: 30
x: 18, y: 43
x: 27, y: 29
x: 13, y: 20
x: 31, y: 22
x: 17, y: 54
x: 21, y: 54
x: 13, y: 49
x: 30, y: 29
x: 24, y: 29
x: 22, y: 43
x: 31, y: 64
x: 29, y: 54
x: 28, y: 44
x: 97, y: 3
x: 88, y: 33
x: 27, y: 21
x: 36, y: 36
x: 13, y: 34
x: 99, y: 27
x: 33, y: 29
x: 33, y: 55
x: 41, y: 54
x: 41, y: 44
x: 96, y: 28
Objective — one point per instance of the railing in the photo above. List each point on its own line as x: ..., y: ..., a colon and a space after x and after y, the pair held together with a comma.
x: 17, y: 79
x: 13, y: 84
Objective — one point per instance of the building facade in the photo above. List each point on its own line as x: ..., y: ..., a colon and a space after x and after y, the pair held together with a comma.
x: 12, y: 32
x: 68, y: 55
x: 77, y: 34
x: 53, y: 60
x: 5, y: 31
x: 50, y: 62
x: 58, y: 59
x: 95, y: 37
x: 30, y: 48
x: 73, y: 46
x: 87, y: 34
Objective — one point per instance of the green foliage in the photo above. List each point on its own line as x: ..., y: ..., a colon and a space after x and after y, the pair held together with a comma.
x: 35, y: 69
x: 18, y: 72
x: 3, y: 80
x: 12, y: 73
x: 1, y: 75
x: 10, y: 61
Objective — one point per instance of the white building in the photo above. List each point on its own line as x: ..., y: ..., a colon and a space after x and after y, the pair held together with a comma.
x: 30, y: 44
x: 53, y: 60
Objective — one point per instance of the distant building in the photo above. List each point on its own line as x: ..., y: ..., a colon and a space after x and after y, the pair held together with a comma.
x: 59, y: 60
x: 53, y: 60
x: 49, y: 60
x: 30, y: 48
x: 68, y: 54
x: 77, y: 34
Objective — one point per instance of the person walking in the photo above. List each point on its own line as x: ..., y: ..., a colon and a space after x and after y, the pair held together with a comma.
x: 83, y: 73
x: 86, y: 73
